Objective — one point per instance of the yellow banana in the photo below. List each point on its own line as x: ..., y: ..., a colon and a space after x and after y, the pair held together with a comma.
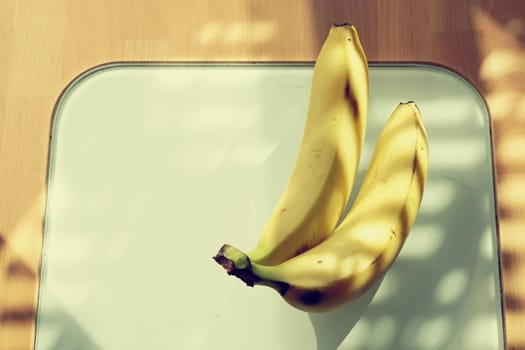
x: 324, y: 171
x: 369, y: 238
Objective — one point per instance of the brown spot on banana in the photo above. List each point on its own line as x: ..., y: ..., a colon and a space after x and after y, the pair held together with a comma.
x: 311, y: 298
x: 351, y: 100
x: 393, y: 232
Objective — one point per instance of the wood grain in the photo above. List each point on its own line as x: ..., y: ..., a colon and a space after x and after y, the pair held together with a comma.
x: 45, y: 44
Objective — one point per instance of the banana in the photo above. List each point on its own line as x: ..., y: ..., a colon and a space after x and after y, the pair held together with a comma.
x: 369, y: 238
x: 324, y: 171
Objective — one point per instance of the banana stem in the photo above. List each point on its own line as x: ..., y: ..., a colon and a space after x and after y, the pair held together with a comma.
x: 238, y: 264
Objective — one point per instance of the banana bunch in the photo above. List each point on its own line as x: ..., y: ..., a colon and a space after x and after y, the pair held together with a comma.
x: 319, y: 270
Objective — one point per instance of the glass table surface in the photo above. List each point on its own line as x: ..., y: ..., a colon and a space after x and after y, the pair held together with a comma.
x: 154, y: 166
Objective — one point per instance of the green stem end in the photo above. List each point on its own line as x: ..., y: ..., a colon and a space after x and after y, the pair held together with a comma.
x: 236, y: 263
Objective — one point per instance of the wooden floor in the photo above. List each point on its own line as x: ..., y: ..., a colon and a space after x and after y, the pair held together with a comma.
x: 45, y: 44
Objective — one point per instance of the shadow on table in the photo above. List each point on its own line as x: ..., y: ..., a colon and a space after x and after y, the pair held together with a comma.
x: 332, y: 327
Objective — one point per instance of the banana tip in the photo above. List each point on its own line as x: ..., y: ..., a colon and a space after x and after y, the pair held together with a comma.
x: 344, y: 24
